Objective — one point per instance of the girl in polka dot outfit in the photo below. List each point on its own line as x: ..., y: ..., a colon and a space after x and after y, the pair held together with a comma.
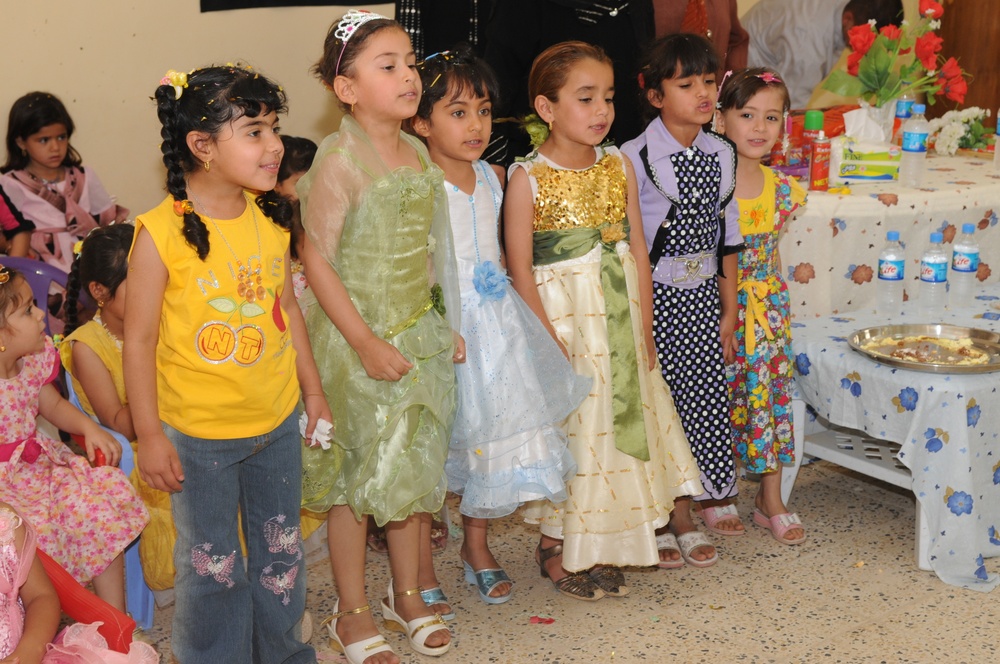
x: 686, y: 178
x: 752, y: 105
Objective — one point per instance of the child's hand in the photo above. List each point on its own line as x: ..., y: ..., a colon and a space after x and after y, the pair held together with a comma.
x: 159, y: 464
x: 316, y: 409
x: 459, y: 356
x: 382, y: 361
x: 727, y: 327
x: 96, y: 438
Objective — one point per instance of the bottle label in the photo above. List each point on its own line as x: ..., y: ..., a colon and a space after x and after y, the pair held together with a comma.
x: 914, y: 141
x: 935, y: 273
x: 903, y: 108
x: 965, y: 261
x: 890, y: 270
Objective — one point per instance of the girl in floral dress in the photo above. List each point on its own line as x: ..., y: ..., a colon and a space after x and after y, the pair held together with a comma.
x: 753, y: 103
x: 85, y: 516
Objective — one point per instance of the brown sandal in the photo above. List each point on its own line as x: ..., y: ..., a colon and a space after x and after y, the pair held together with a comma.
x: 577, y: 585
x: 609, y: 579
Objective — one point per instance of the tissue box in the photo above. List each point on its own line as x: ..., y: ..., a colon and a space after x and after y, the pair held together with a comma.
x: 853, y: 161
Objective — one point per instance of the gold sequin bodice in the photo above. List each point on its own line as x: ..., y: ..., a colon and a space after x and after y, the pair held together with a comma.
x: 580, y: 199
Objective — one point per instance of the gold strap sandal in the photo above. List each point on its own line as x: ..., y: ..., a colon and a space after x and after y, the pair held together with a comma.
x: 358, y: 652
x: 416, y: 630
x: 609, y: 579
x: 577, y: 585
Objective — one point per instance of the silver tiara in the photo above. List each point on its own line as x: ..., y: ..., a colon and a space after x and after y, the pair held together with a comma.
x: 351, y: 21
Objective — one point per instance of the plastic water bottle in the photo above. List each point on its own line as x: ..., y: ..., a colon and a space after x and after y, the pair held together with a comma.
x: 933, y: 279
x: 915, y: 131
x: 904, y: 110
x: 891, y: 265
x: 964, y: 264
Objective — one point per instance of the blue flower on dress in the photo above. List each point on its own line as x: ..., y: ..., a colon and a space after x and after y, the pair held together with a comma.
x: 802, y: 364
x: 490, y: 281
x: 981, y: 568
x: 907, y: 399
x: 852, y: 382
x: 972, y: 413
x: 959, y: 502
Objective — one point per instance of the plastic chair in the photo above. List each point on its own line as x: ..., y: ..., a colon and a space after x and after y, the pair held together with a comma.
x: 138, y: 596
x: 40, y: 276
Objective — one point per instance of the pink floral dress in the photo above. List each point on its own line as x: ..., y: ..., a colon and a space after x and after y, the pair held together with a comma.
x: 84, y: 516
x: 760, y: 380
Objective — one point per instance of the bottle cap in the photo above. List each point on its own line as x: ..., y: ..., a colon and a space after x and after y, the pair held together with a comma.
x: 814, y: 120
x: 969, y: 228
x: 892, y: 236
x: 937, y: 238
x: 918, y: 109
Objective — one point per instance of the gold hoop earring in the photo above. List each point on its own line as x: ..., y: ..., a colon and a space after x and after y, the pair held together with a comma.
x: 207, y: 165
x: 100, y: 304
x: 550, y: 125
x: 3, y: 349
x: 352, y: 109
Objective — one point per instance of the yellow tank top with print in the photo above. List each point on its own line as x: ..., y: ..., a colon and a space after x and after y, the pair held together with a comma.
x: 224, y: 360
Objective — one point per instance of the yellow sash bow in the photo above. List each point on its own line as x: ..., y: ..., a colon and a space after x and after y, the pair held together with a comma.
x: 756, y: 313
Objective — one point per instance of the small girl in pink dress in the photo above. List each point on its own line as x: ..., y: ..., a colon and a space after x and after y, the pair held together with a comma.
x: 29, y: 610
x: 85, y: 516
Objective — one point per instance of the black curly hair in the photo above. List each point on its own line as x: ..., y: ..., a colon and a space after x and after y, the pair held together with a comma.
x: 214, y: 97
x: 103, y: 258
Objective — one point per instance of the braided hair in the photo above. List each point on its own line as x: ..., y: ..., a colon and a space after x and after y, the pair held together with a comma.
x: 213, y: 97
x: 102, y: 259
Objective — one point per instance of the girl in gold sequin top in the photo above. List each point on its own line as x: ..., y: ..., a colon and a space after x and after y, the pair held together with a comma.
x: 567, y: 214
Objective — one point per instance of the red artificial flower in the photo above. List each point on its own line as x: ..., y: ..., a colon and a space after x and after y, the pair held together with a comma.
x: 950, y: 69
x: 955, y: 89
x: 861, y: 37
x: 853, y: 62
x: 891, y: 32
x: 931, y: 9
x: 927, y: 47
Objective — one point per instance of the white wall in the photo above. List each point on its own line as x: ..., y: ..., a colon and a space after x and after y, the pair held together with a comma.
x: 104, y: 59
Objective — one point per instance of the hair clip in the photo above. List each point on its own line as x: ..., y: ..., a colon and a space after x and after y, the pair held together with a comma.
x: 725, y: 77
x: 177, y: 79
x: 78, y: 248
x: 183, y: 207
x: 4, y: 274
x: 769, y: 78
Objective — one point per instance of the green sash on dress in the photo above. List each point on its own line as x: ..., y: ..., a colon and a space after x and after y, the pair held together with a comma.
x: 555, y: 246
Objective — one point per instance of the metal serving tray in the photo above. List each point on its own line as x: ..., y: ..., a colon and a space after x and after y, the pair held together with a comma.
x: 982, y: 340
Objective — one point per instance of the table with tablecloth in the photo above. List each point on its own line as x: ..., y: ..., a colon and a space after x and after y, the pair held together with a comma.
x: 948, y: 427
x: 830, y: 247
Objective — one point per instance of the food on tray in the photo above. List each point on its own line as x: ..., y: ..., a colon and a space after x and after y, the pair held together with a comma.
x: 923, y: 349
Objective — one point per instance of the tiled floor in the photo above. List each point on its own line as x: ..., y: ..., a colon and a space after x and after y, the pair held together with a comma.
x: 852, y: 593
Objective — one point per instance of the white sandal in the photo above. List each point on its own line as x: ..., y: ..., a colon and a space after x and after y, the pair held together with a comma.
x: 691, y: 541
x: 359, y: 651
x: 416, y: 630
x: 668, y: 542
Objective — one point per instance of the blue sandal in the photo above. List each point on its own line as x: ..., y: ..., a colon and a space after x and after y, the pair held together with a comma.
x: 433, y: 596
x: 486, y: 580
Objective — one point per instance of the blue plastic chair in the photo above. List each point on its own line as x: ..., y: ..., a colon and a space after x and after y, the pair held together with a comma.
x: 40, y: 276
x: 138, y: 596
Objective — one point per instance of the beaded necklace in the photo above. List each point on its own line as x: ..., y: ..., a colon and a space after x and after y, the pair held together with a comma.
x: 246, y: 275
x: 111, y: 335
x: 482, y: 176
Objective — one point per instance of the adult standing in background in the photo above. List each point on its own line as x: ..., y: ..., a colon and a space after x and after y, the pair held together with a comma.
x: 718, y: 20
x: 521, y: 29
x: 438, y: 25
x: 803, y: 39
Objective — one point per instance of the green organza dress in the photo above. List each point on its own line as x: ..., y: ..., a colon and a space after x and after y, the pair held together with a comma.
x: 385, y: 232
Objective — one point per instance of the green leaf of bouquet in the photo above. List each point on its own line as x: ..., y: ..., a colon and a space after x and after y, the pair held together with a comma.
x: 875, y: 67
x: 843, y: 84
x: 224, y: 304
x: 251, y: 309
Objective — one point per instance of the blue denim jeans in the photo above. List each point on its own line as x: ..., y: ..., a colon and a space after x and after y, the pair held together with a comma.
x: 227, y: 610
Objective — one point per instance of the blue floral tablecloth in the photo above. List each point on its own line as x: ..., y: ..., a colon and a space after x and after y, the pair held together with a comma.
x: 947, y: 424
x: 830, y: 247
